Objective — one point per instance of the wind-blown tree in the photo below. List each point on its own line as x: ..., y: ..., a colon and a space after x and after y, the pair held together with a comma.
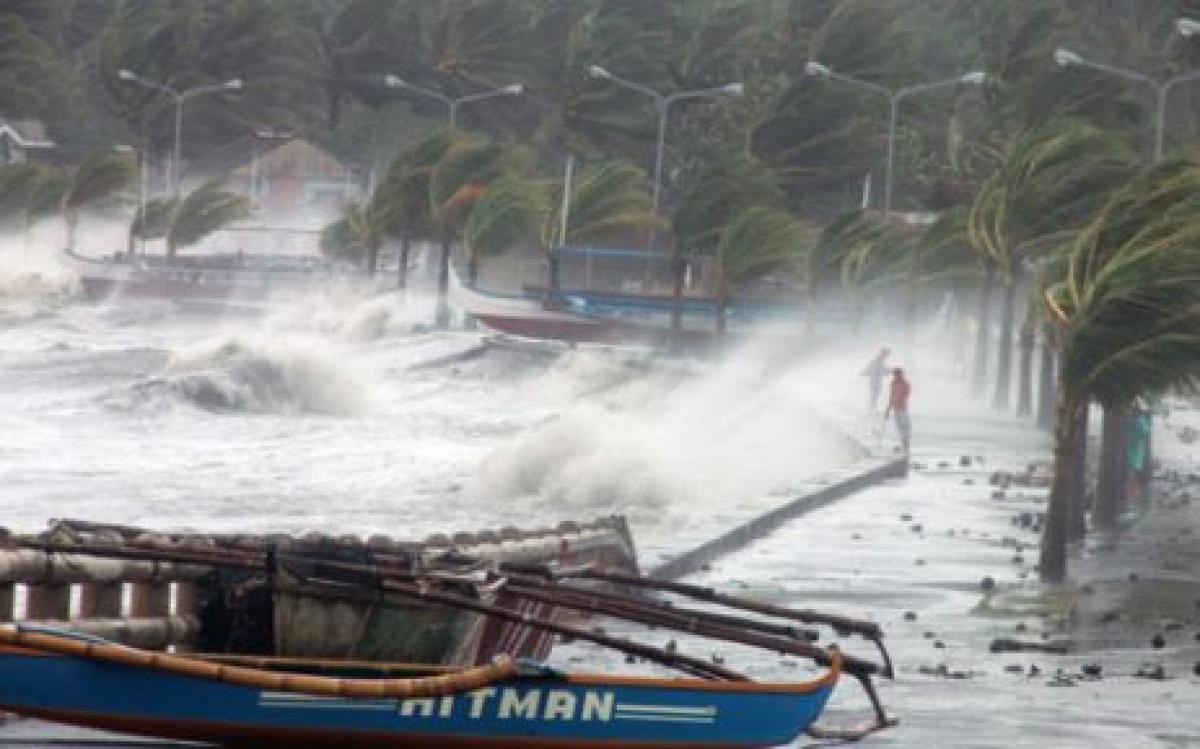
x: 1053, y: 179
x: 857, y: 256
x: 151, y: 221
x: 202, y: 212
x: 757, y: 241
x: 458, y: 180
x: 1127, y: 317
x: 577, y: 113
x: 609, y: 201
x: 18, y: 184
x: 357, y: 235
x: 509, y: 213
x: 402, y: 198
x: 100, y: 177
x: 728, y: 186
x: 822, y: 137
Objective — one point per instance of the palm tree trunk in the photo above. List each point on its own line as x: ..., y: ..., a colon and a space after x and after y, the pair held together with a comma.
x: 1025, y: 369
x: 1045, y: 406
x: 372, y: 259
x: 1053, y: 554
x: 402, y: 270
x: 1004, y: 346
x: 442, y: 316
x: 677, y: 268
x: 979, y: 377
x: 1110, y: 479
x: 554, y: 298
x: 472, y: 270
x: 71, y: 222
x: 1078, y: 500
x: 722, y: 307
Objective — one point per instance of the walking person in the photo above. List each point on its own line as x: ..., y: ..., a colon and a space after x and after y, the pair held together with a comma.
x: 898, y: 406
x: 875, y: 371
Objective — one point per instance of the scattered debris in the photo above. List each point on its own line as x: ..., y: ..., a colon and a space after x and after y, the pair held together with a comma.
x: 1009, y: 645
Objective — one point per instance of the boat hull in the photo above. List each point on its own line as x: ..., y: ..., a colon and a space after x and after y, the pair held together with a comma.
x: 551, y: 713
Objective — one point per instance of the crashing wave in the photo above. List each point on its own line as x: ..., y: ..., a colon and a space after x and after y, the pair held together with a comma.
x: 257, y: 377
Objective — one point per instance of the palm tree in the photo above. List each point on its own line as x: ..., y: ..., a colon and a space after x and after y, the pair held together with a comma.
x: 151, y: 221
x: 607, y: 202
x: 756, y: 242
x: 402, y: 198
x: 459, y: 179
x: 1053, y: 179
x: 508, y: 214
x: 98, y: 178
x: 357, y: 235
x: 726, y: 187
x: 1127, y: 317
x: 203, y: 211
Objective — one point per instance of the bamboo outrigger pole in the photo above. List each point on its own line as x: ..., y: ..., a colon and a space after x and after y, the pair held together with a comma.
x: 841, y: 624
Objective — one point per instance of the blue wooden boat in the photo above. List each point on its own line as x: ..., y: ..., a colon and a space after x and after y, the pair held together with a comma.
x: 244, y: 702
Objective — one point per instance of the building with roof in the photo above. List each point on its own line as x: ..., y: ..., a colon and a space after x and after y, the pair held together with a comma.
x: 289, y: 180
x: 22, y: 140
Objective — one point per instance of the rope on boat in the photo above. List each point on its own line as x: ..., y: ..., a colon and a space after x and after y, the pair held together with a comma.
x: 500, y: 669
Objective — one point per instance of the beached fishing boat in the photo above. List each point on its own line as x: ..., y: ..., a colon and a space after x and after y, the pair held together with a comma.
x: 233, y: 595
x: 224, y: 277
x: 507, y: 704
x: 574, y: 320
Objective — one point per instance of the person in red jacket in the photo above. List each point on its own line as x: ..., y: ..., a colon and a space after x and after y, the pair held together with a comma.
x: 898, y: 405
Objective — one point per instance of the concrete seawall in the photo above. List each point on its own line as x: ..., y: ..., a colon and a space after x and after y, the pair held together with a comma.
x: 864, y: 474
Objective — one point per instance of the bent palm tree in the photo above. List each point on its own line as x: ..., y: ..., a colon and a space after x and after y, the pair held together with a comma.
x: 203, y: 211
x: 458, y: 180
x: 509, y: 213
x: 606, y: 202
x: 98, y: 178
x: 357, y: 235
x: 1054, y: 178
x: 1127, y: 316
x: 151, y: 221
x: 756, y: 242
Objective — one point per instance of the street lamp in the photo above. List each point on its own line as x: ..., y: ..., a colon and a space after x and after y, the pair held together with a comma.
x: 1186, y: 27
x: 663, y: 104
x: 452, y: 104
x: 819, y: 70
x: 233, y: 84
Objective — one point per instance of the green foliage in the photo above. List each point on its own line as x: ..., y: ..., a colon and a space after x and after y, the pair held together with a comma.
x: 98, y: 178
x: 508, y: 214
x: 202, y: 212
x: 760, y: 240
x: 1054, y: 178
x: 607, y: 201
x: 1128, y: 308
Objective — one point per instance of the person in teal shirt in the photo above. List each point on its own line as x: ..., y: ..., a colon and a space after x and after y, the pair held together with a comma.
x: 1138, y: 450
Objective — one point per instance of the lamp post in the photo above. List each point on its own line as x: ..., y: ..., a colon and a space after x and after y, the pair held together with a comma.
x: 233, y: 84
x: 1187, y: 27
x: 452, y: 103
x: 819, y: 70
x: 663, y: 105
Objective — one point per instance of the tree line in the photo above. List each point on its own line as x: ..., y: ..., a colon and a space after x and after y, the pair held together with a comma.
x: 1051, y: 195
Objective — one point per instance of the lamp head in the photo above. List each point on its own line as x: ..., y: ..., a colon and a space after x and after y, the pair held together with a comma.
x: 126, y: 74
x: 393, y: 81
x: 975, y: 78
x: 734, y: 89
x: 1187, y: 27
x: 596, y: 71
x: 514, y: 89
x: 814, y: 68
x: 233, y: 84
x: 1064, y: 57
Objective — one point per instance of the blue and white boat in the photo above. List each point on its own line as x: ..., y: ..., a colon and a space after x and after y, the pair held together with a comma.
x: 69, y: 678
